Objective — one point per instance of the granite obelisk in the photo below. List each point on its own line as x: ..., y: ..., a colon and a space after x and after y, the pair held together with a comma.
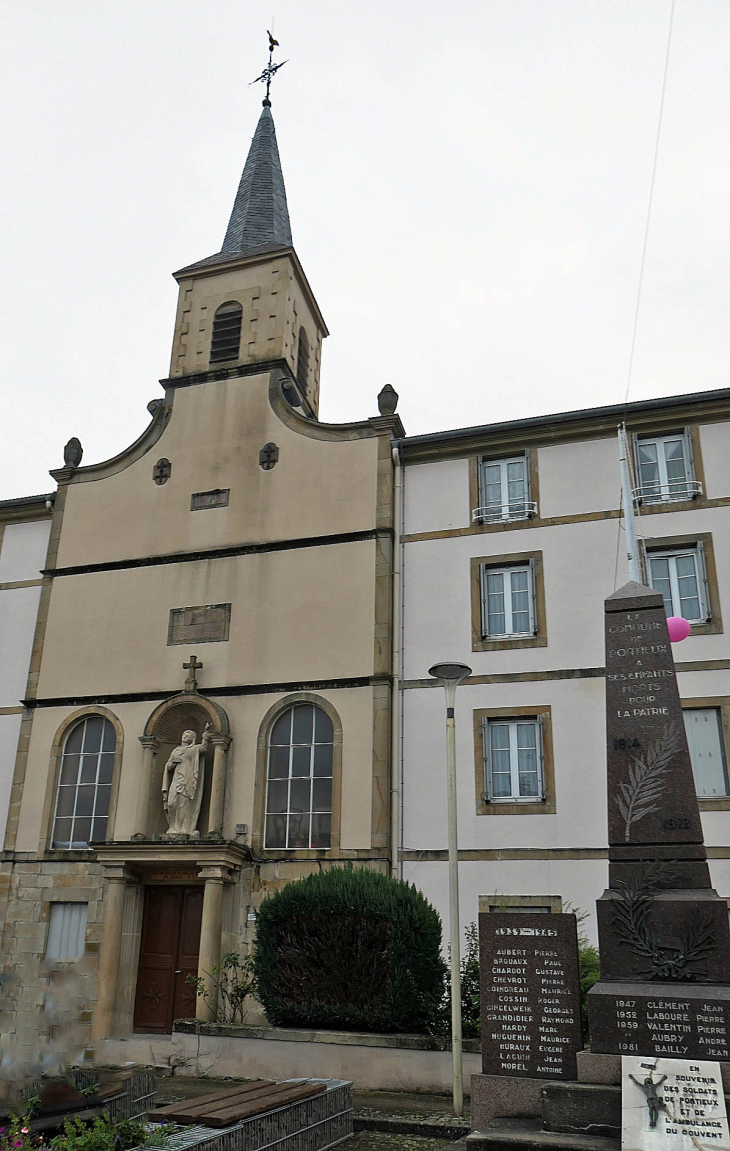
x: 663, y: 931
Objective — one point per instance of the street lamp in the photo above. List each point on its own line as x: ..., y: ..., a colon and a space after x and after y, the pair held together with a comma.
x: 450, y: 676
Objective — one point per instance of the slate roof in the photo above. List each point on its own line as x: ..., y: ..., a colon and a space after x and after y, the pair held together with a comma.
x: 260, y: 215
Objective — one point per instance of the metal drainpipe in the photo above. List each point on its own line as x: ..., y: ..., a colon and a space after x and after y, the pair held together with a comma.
x: 395, y: 792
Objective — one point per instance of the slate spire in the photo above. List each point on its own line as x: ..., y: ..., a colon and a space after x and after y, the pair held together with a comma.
x: 260, y: 216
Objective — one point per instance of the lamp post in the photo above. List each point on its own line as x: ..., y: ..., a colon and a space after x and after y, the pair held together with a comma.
x: 450, y: 676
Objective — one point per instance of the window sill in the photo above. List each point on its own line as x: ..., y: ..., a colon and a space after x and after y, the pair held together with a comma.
x: 714, y: 802
x: 516, y: 807
x: 482, y: 643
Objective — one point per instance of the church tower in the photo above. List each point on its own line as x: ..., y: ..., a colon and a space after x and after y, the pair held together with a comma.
x: 250, y: 303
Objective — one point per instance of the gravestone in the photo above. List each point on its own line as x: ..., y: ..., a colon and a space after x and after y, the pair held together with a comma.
x: 663, y: 931
x: 530, y: 995
x: 672, y: 1105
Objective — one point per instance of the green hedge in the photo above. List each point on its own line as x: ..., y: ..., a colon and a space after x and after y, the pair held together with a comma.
x: 350, y: 950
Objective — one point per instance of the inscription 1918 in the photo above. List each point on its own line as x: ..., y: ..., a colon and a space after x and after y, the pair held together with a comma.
x: 530, y: 1000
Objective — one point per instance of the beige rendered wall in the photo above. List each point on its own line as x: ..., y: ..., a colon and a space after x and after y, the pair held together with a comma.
x: 212, y: 440
x: 245, y: 713
x: 296, y: 615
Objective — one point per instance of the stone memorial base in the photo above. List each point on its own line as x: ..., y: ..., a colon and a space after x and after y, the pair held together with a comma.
x: 668, y: 1020
x: 511, y: 1113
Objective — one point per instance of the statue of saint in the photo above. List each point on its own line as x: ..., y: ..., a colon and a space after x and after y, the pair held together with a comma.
x: 183, y: 793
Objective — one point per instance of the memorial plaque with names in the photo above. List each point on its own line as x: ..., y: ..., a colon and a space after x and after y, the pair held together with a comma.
x: 685, y: 1021
x: 672, y: 1105
x: 530, y: 995
x: 206, y: 624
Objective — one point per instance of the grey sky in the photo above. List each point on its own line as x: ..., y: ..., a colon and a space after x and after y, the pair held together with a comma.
x: 467, y: 186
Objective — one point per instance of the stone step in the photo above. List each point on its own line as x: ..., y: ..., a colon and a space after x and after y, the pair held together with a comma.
x: 582, y: 1109
x: 530, y: 1135
x: 446, y: 1127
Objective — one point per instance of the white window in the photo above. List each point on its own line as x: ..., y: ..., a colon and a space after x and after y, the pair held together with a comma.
x: 508, y: 600
x: 513, y: 765
x: 680, y: 577
x: 504, y: 490
x: 299, y: 779
x: 706, y: 751
x: 85, y: 783
x: 67, y: 931
x: 664, y: 467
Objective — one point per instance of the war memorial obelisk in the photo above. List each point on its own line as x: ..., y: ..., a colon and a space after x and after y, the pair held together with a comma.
x: 663, y: 931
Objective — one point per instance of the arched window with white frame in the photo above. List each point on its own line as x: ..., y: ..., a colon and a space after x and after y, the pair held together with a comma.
x: 299, y: 779
x: 84, y: 783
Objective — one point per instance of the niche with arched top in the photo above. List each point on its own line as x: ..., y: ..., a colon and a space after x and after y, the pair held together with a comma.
x: 166, y: 725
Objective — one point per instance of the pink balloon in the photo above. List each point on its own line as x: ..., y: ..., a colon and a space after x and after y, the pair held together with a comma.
x: 678, y: 627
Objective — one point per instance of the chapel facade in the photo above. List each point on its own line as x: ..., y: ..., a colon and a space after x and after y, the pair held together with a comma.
x: 207, y: 710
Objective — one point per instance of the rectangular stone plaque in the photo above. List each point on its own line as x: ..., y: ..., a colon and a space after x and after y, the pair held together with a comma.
x: 205, y: 624
x: 530, y: 995
x: 218, y: 498
x: 683, y: 1021
x: 683, y: 1098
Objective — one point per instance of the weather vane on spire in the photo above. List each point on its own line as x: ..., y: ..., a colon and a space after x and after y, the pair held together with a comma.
x: 271, y: 69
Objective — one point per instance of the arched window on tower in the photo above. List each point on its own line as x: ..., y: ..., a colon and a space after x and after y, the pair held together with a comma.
x: 303, y: 359
x: 225, y: 343
x: 85, y: 783
x: 299, y: 779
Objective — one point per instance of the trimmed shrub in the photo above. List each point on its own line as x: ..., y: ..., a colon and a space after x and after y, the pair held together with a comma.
x: 350, y: 950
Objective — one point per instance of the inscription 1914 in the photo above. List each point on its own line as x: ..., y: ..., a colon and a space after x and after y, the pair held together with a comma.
x: 530, y: 999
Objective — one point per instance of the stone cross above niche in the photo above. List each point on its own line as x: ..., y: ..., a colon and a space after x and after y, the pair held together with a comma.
x: 193, y: 665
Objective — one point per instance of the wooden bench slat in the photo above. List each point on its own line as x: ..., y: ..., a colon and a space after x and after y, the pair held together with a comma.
x: 289, y: 1093
x: 187, y: 1110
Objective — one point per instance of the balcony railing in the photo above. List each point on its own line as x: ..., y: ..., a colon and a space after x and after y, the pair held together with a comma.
x: 674, y: 490
x: 495, y: 513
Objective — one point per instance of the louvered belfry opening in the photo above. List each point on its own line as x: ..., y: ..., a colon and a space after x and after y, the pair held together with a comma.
x: 226, y: 340
x: 303, y: 359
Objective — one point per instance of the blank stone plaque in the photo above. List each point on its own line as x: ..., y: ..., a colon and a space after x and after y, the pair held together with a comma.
x: 530, y: 995
x: 206, y: 624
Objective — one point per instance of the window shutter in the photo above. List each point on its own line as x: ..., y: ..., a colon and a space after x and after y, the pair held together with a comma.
x: 541, y: 756
x: 533, y: 597
x: 528, y: 493
x: 689, y: 456
x: 488, y: 789
x: 481, y: 494
x: 702, y: 580
x: 483, y: 594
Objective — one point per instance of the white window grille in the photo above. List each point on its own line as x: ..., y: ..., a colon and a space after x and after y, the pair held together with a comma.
x: 508, y: 600
x: 85, y: 783
x: 66, y: 931
x: 680, y: 576
x: 504, y: 490
x: 513, y: 760
x: 707, y: 751
x: 299, y: 780
x: 664, y: 468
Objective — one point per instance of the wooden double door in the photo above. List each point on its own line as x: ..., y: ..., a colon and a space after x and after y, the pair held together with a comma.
x: 168, y: 954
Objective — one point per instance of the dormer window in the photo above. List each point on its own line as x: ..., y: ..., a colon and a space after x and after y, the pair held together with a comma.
x: 225, y: 342
x: 504, y: 490
x: 664, y: 469
x: 303, y: 359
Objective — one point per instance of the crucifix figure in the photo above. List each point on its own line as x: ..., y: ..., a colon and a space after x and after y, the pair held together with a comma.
x: 653, y: 1101
x: 191, y: 683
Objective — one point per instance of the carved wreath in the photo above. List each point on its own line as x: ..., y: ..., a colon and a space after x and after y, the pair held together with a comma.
x: 632, y: 911
x: 646, y: 782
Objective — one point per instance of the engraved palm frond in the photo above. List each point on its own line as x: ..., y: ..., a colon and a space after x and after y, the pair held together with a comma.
x: 638, y: 795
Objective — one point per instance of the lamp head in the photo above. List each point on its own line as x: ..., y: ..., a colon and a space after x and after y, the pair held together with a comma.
x: 449, y: 673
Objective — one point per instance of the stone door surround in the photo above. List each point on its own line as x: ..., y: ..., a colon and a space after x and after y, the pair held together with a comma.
x: 130, y: 864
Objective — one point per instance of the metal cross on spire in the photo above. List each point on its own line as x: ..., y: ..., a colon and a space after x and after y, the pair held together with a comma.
x: 271, y: 69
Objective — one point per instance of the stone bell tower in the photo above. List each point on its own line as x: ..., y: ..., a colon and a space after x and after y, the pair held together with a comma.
x: 250, y: 303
